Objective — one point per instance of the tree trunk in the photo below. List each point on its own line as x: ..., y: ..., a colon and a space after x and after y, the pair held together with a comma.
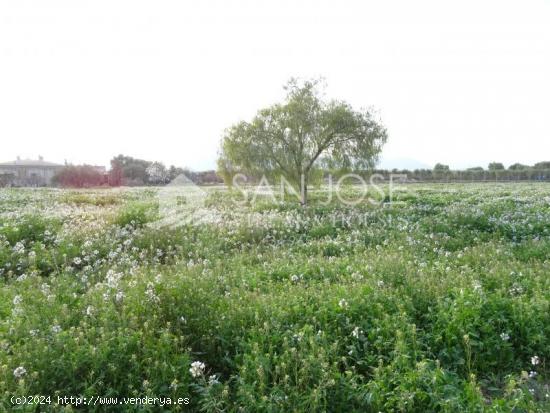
x: 303, y: 187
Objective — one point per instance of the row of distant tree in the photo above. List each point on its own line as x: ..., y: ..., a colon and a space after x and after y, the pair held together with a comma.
x: 494, y: 171
x: 129, y: 171
x: 498, y: 166
x: 126, y: 170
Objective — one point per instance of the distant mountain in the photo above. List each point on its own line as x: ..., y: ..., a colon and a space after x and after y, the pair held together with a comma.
x: 402, y: 163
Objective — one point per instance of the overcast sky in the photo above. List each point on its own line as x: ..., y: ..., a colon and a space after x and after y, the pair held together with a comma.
x: 463, y: 82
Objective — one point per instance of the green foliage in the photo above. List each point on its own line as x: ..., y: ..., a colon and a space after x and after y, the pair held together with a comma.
x: 28, y: 227
x: 438, y: 303
x: 80, y: 199
x: 286, y: 140
x: 518, y: 167
x: 495, y: 166
x: 126, y: 170
x: 439, y: 167
x: 136, y: 214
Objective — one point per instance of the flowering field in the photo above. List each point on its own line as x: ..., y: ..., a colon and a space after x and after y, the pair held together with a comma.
x: 436, y: 302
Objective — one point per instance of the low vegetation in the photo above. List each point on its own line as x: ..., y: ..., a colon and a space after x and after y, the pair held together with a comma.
x: 438, y: 301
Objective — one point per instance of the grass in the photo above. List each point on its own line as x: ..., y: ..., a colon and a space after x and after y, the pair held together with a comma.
x: 436, y: 303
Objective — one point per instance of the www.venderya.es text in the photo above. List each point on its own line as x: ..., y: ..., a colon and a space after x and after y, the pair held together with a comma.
x: 78, y: 401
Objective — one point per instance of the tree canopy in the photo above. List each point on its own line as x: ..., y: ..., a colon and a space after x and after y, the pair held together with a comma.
x: 126, y: 170
x: 495, y: 166
x: 439, y: 167
x: 290, y: 138
x: 518, y: 167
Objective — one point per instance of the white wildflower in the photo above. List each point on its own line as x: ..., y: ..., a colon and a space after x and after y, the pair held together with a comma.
x: 22, y: 277
x: 477, y: 286
x: 45, y: 289
x: 19, y: 248
x: 504, y: 336
x: 535, y: 360
x: 90, y: 310
x: 357, y: 276
x: 343, y: 303
x: 197, y: 368
x: 150, y: 293
x: 113, y: 278
x: 19, y: 372
x: 515, y: 289
x: 119, y: 297
x: 17, y: 300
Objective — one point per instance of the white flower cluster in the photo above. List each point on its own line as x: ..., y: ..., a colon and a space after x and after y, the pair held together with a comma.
x: 19, y: 372
x: 505, y: 336
x: 112, y: 278
x: 151, y: 294
x: 197, y: 368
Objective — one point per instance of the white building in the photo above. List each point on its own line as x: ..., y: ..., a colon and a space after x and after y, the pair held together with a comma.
x: 28, y: 172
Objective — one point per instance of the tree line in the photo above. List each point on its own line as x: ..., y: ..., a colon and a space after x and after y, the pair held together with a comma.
x: 495, y: 171
x: 129, y: 171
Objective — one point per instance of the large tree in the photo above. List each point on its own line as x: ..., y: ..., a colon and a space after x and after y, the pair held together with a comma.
x: 496, y: 166
x: 126, y: 170
x: 288, y: 139
x: 439, y: 167
x: 157, y: 174
x: 518, y: 167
